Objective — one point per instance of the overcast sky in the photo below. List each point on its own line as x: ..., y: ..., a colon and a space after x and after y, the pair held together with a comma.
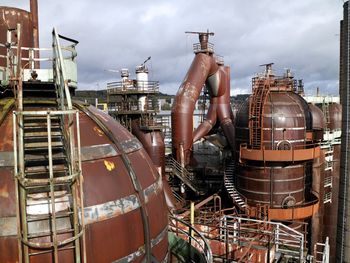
x: 301, y: 34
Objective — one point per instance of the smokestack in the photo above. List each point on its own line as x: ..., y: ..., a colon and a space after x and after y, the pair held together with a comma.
x: 35, y: 20
x: 343, y: 227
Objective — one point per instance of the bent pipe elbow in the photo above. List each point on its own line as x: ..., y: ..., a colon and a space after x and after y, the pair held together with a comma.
x: 229, y: 131
x: 153, y: 143
x: 202, y: 67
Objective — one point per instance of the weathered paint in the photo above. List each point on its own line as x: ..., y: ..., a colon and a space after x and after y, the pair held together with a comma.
x: 115, y: 231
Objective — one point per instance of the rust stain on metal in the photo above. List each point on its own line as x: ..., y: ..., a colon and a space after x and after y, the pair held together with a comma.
x: 98, y: 131
x: 109, y: 165
x: 4, y: 191
x: 141, y: 250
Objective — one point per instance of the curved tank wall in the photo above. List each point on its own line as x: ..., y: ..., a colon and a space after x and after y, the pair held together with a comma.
x: 114, y: 225
x: 335, y: 114
x: 285, y: 121
x: 9, y: 17
x: 330, y: 228
x: 276, y: 186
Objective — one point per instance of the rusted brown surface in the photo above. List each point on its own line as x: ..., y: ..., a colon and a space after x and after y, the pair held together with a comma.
x: 9, y: 18
x: 283, y: 120
x: 271, y: 185
x: 331, y: 216
x: 318, y: 118
x: 295, y: 213
x: 7, y: 192
x: 318, y: 176
x: 276, y: 171
x: 203, y: 70
x: 115, y: 228
x: 318, y: 122
x: 202, y: 67
x: 335, y: 114
x: 6, y: 131
x: 153, y: 142
x: 291, y: 155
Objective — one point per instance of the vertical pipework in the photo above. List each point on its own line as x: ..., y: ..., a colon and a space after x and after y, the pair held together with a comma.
x: 202, y: 67
x: 153, y: 142
x: 343, y: 231
x: 35, y: 21
x: 224, y: 109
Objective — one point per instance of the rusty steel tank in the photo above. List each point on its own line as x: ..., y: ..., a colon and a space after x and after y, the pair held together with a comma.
x: 275, y: 149
x: 9, y: 17
x: 120, y: 181
x: 318, y: 173
x: 333, y: 172
x: 125, y: 212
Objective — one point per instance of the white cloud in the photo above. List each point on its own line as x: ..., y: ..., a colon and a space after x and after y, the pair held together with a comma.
x: 301, y: 35
x: 157, y: 11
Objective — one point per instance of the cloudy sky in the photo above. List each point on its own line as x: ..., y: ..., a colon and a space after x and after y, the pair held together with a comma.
x: 301, y: 35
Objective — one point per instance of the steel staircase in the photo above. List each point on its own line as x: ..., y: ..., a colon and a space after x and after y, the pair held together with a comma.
x: 175, y: 169
x: 256, y: 107
x: 237, y: 198
x: 48, y: 168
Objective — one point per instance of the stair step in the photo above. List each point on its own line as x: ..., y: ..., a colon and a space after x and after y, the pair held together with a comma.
x: 43, y: 150
x: 40, y: 130
x: 40, y: 124
x: 35, y: 170
x: 44, y: 162
x: 35, y: 156
x: 37, y: 139
x: 40, y: 119
x: 43, y: 135
x: 39, y: 145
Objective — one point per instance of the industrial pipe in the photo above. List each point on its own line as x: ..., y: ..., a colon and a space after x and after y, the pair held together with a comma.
x: 203, y: 70
x: 35, y: 21
x: 153, y: 142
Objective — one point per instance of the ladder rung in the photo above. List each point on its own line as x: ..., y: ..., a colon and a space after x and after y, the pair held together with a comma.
x: 51, y: 251
x: 60, y: 214
x: 59, y: 232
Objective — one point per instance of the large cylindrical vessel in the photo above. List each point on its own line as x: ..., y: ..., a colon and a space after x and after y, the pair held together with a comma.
x: 115, y: 225
x: 9, y: 18
x: 332, y: 174
x: 276, y: 146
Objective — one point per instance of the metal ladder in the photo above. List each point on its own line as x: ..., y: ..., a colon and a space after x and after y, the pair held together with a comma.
x: 48, y: 168
x: 260, y: 92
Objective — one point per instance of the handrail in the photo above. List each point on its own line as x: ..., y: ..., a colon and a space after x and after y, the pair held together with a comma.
x: 296, y: 153
x: 74, y: 178
x: 178, y: 226
x: 279, y: 234
x: 324, y: 253
x: 181, y: 172
x: 60, y: 70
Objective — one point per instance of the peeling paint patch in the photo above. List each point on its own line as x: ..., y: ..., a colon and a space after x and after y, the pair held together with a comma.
x: 153, y: 189
x: 131, y: 145
x: 109, y: 165
x: 110, y: 209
